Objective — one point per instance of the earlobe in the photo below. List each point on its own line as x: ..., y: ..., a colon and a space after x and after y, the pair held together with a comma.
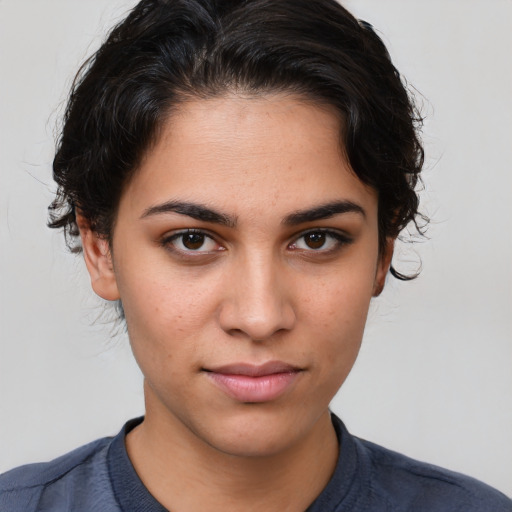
x: 383, y: 267
x: 98, y: 260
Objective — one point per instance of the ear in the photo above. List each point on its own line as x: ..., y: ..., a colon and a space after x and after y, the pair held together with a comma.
x: 98, y: 260
x: 383, y: 266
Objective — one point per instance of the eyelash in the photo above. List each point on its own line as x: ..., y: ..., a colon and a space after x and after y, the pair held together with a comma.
x: 167, y: 242
x: 339, y: 238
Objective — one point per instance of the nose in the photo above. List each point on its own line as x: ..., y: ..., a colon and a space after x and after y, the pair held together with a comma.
x: 258, y: 302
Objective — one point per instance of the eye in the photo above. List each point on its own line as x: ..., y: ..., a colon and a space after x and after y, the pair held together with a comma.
x: 320, y: 241
x: 192, y: 240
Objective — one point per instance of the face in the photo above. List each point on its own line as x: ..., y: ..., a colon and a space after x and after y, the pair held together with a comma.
x: 245, y: 252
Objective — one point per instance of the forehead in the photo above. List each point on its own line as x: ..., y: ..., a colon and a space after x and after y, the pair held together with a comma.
x: 253, y: 155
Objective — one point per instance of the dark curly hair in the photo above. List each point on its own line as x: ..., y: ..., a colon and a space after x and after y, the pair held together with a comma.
x: 167, y: 51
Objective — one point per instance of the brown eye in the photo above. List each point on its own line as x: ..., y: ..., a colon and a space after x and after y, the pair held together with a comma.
x: 320, y: 241
x: 315, y: 240
x: 193, y: 241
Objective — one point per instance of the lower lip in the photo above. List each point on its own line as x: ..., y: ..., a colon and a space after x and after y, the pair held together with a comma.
x: 244, y: 388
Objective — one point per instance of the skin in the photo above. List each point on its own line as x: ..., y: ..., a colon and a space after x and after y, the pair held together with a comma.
x: 254, y: 289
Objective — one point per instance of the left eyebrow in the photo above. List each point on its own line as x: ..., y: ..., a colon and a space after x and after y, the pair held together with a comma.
x: 323, y: 211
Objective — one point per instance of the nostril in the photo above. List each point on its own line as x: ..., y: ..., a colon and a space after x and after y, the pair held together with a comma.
x: 269, y: 323
x: 257, y: 305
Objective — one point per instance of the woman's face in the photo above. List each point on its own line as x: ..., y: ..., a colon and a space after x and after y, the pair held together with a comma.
x: 245, y: 253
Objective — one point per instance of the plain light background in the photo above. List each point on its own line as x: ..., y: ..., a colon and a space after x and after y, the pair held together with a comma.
x: 434, y: 378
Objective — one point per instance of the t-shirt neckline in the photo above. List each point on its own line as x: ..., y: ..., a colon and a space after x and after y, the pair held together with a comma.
x: 132, y: 495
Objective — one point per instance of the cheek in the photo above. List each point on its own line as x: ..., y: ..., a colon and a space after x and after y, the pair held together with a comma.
x: 337, y: 317
x: 340, y: 300
x: 165, y: 315
x: 157, y: 293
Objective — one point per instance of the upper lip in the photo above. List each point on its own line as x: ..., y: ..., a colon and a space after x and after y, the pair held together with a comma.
x: 252, y: 370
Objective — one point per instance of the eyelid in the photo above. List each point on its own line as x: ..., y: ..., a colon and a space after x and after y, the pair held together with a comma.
x: 166, y: 242
x: 340, y: 236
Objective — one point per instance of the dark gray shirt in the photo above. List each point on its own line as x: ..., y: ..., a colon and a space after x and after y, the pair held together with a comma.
x: 368, y: 478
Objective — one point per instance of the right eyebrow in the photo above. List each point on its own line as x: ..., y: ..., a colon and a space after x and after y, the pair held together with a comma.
x: 194, y: 210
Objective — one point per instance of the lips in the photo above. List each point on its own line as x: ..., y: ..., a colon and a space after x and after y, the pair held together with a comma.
x: 254, y: 383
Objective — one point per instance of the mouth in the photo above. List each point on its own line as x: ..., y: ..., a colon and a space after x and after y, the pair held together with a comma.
x: 249, y: 383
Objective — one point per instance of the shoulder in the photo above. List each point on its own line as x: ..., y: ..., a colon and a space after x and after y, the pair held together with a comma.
x: 23, y: 488
x: 409, y: 484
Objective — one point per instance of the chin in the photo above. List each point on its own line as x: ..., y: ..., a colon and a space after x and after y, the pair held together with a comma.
x: 255, y: 432
x: 250, y: 446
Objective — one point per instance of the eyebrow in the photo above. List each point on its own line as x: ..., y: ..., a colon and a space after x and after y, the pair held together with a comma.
x: 206, y: 214
x: 194, y: 210
x: 324, y: 211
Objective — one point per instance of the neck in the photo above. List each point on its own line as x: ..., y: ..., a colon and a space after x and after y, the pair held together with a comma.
x: 183, y: 472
